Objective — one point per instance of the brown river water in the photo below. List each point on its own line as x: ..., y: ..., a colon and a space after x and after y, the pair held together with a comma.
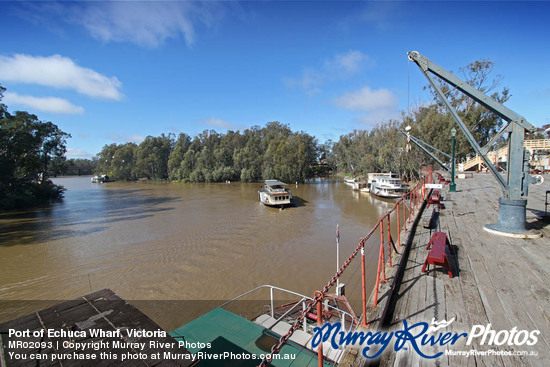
x: 178, y: 250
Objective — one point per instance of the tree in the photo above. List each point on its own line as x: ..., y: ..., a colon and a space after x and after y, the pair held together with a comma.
x: 28, y: 147
x: 153, y: 155
x: 480, y: 121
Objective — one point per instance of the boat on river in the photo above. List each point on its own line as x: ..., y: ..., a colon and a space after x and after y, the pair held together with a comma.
x: 224, y: 331
x: 275, y: 193
x: 101, y: 179
x: 387, y: 186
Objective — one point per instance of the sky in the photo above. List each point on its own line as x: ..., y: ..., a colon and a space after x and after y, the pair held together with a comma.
x: 117, y: 71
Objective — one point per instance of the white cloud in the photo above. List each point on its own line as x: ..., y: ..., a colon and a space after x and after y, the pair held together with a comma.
x: 215, y: 122
x: 77, y: 153
x: 367, y: 99
x: 340, y: 66
x: 376, y: 117
x: 132, y: 138
x: 380, y: 105
x: 347, y: 64
x: 145, y: 23
x: 59, y: 72
x: 46, y: 104
x: 309, y: 81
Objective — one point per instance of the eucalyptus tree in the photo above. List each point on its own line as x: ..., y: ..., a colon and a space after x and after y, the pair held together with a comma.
x: 27, y: 148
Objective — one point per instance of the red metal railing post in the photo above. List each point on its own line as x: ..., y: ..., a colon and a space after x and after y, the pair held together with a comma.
x: 382, y: 253
x: 389, y: 239
x: 319, y: 324
x: 377, y: 286
x: 364, y: 278
x: 414, y: 200
x: 406, y: 210
x: 410, y: 206
x: 398, y: 227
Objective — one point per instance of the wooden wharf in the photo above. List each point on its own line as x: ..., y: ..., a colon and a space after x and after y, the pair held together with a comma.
x: 497, y: 280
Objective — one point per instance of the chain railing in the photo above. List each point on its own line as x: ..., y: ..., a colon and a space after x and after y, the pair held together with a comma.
x: 414, y: 197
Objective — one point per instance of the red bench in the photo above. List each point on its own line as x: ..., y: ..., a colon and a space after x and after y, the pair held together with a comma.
x: 435, y: 198
x: 438, y: 255
x: 442, y: 179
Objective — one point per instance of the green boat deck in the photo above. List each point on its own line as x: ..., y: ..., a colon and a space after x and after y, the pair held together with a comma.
x: 229, y: 333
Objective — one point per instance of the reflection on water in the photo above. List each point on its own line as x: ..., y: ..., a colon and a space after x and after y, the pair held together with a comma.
x: 182, y: 242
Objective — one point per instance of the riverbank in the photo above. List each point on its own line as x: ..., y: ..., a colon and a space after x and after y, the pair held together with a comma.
x: 497, y: 301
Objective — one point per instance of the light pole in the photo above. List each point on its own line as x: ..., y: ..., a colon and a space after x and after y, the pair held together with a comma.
x: 452, y: 186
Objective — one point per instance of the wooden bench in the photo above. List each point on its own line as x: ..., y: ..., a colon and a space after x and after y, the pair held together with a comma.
x: 438, y: 255
x: 435, y: 198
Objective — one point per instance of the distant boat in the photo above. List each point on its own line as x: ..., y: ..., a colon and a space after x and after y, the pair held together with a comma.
x: 387, y: 186
x: 275, y: 193
x: 350, y: 180
x: 101, y: 179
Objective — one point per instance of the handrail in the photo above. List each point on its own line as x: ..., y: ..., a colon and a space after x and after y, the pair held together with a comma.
x: 272, y: 287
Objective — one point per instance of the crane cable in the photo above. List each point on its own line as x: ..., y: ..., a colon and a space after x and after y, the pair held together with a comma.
x: 409, y: 88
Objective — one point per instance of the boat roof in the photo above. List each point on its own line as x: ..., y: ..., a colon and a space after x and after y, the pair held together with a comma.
x: 228, y: 332
x: 274, y: 183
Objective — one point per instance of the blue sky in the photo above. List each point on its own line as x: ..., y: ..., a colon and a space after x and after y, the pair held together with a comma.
x: 118, y: 71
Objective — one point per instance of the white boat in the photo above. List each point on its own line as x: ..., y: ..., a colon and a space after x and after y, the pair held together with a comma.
x: 350, y: 180
x: 101, y: 179
x: 387, y: 186
x: 275, y: 193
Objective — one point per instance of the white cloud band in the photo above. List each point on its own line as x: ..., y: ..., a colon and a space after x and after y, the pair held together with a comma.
x: 367, y: 99
x: 46, y: 104
x: 59, y: 72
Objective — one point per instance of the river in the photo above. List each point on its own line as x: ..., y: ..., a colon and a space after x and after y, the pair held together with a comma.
x: 155, y: 243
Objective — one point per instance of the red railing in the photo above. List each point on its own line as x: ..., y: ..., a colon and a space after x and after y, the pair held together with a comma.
x: 414, y: 195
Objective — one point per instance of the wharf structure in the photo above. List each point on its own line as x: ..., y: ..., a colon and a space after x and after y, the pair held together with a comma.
x: 499, y: 287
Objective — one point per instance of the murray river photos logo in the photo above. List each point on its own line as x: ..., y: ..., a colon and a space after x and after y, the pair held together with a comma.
x: 419, y: 335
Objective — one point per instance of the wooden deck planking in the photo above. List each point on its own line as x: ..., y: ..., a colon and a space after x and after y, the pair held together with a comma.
x: 498, y: 280
x: 464, y: 300
x: 488, y: 279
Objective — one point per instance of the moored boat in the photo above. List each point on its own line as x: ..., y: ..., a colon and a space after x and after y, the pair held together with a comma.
x: 275, y: 193
x: 387, y: 186
x: 101, y: 179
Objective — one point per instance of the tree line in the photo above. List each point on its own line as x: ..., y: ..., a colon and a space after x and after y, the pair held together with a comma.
x: 272, y: 151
